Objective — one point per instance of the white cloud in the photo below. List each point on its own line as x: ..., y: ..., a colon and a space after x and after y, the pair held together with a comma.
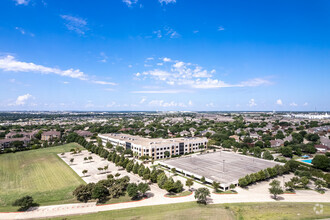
x: 252, y: 103
x: 221, y: 28
x: 75, y: 24
x: 23, y: 32
x: 161, y: 91
x: 162, y: 103
x: 166, y: 32
x: 293, y: 104
x: 103, y: 82
x: 142, y: 100
x: 9, y: 63
x: 167, y: 1
x: 130, y: 3
x: 158, y: 33
x: 178, y: 73
x: 209, y: 84
x: 190, y: 103
x: 279, y: 102
x: 254, y: 82
x: 21, y: 100
x: 178, y: 64
x: 112, y: 104
x: 130, y: 66
x: 305, y: 104
x: 211, y: 104
x: 104, y: 57
x: 89, y: 104
x: 22, y: 2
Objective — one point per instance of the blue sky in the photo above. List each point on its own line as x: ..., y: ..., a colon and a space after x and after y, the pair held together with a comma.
x: 164, y: 55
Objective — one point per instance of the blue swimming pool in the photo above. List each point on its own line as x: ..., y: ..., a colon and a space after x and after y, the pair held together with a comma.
x: 307, y: 161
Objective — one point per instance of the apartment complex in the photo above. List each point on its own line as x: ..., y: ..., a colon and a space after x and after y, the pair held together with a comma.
x: 50, y: 135
x: 155, y: 147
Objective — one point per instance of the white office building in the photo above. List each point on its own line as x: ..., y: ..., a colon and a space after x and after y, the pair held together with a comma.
x: 155, y: 147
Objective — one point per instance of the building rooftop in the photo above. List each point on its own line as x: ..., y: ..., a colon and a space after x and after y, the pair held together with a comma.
x: 224, y: 167
x: 151, y: 141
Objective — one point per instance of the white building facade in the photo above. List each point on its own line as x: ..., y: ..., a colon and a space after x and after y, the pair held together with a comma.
x: 155, y: 147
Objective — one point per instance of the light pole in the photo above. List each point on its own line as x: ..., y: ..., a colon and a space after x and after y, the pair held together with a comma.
x: 223, y: 166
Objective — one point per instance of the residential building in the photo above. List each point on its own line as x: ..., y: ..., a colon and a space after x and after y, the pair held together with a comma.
x: 84, y: 133
x: 50, y: 135
x: 6, y: 143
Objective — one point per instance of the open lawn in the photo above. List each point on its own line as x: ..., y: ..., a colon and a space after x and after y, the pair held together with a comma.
x: 192, y: 210
x: 38, y: 173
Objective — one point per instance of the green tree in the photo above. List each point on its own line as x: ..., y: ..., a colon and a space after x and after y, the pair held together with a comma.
x: 129, y: 166
x: 267, y: 155
x: 201, y: 195
x: 83, y: 193
x: 321, y: 162
x: 286, y: 151
x: 109, y: 145
x: 100, y: 192
x: 319, y: 184
x: 178, y: 186
x: 289, y: 185
x: 304, y: 181
x: 203, y: 179
x: 25, y: 203
x: 136, y: 168
x: 242, y: 182
x: 189, y: 183
x: 84, y: 172
x: 132, y: 190
x: 275, y: 188
x: 216, y: 186
x: 161, y: 179
x: 141, y: 170
x: 143, y: 188
x: 169, y: 185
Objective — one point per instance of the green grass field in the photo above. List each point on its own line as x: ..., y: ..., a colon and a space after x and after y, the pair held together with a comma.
x: 192, y: 210
x: 38, y: 173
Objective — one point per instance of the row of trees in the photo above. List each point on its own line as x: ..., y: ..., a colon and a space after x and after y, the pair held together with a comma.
x: 263, y: 175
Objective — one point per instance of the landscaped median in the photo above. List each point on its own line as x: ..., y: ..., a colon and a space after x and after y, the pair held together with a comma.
x: 229, y: 192
x: 178, y: 195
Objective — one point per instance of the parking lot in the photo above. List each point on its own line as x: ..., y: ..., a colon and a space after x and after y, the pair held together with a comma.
x: 94, y: 174
x: 223, y: 167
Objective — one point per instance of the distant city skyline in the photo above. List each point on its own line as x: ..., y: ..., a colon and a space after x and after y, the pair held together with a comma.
x: 164, y: 55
